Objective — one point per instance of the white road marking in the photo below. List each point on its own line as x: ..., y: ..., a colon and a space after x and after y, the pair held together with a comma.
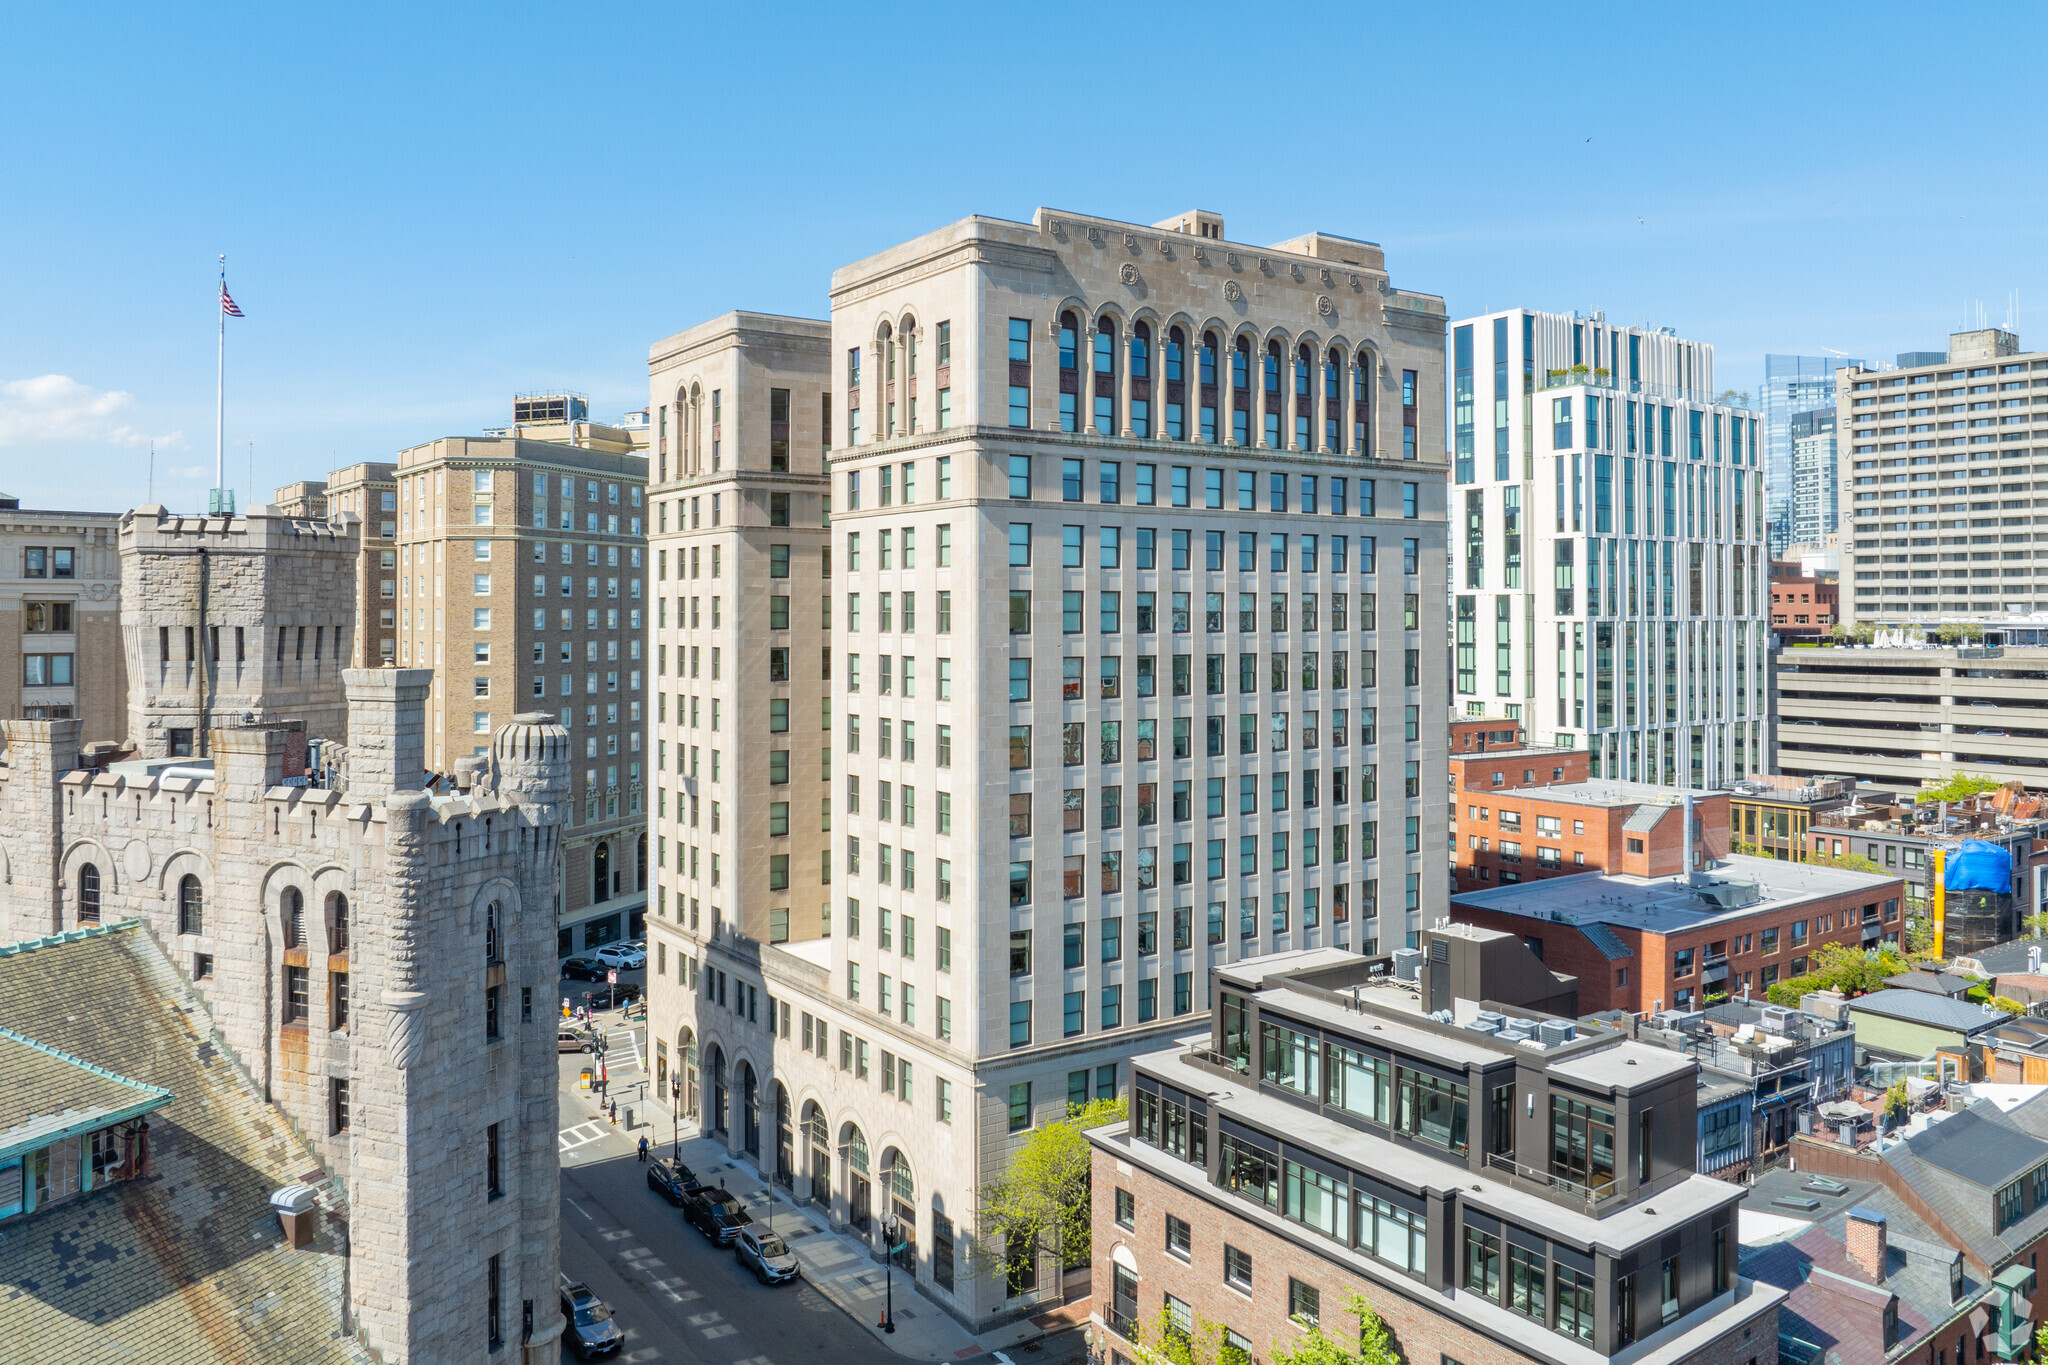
x: 581, y: 1135
x: 576, y: 1206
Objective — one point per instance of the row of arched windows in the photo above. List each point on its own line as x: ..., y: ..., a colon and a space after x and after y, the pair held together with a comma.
x: 1333, y: 377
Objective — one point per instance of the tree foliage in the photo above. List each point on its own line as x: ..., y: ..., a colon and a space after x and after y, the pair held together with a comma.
x: 2007, y: 1004
x: 1041, y: 1202
x: 1847, y: 862
x: 1375, y: 1343
x: 1837, y: 966
x: 1203, y: 1342
x: 1960, y: 786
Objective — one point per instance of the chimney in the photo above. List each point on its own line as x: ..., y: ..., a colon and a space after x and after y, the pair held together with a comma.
x: 387, y: 730
x: 1867, y: 1241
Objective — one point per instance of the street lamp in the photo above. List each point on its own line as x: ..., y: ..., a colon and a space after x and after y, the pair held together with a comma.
x: 888, y: 1275
x: 675, y: 1124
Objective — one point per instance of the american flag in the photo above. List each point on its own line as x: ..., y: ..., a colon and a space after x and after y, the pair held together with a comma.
x: 227, y: 304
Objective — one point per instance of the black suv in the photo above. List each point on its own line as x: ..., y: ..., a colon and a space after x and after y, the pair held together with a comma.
x: 588, y: 1327
x: 583, y: 969
x: 672, y: 1180
x: 716, y: 1213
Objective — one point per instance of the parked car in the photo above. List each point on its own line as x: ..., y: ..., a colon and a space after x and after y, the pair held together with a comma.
x: 621, y: 955
x: 760, y: 1249
x: 568, y: 1040
x: 716, y: 1213
x: 589, y: 1328
x: 614, y: 997
x: 583, y: 969
x: 672, y: 1180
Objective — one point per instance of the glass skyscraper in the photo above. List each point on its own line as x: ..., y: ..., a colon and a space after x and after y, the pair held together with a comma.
x: 1792, y: 384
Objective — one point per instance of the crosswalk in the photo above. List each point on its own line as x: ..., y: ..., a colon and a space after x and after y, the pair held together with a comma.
x: 582, y: 1135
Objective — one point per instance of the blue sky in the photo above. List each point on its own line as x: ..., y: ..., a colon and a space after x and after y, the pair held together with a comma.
x: 428, y: 208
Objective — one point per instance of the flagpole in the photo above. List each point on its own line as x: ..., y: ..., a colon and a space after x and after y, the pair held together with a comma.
x: 220, y: 388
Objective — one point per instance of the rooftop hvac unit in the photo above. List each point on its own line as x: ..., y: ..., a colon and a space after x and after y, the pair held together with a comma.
x: 1515, y: 1029
x: 1555, y: 1031
x: 1778, y: 1018
x: 1487, y: 1022
x: 1406, y: 963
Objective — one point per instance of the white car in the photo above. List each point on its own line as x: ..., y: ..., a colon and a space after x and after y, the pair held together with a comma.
x: 621, y: 955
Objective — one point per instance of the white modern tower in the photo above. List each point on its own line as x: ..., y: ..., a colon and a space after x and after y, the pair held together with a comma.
x: 1608, y: 560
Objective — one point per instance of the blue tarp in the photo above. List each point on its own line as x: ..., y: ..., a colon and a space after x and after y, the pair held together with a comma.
x: 1978, y: 866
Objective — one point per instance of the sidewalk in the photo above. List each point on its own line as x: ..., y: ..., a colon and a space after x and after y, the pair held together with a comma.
x: 841, y: 1268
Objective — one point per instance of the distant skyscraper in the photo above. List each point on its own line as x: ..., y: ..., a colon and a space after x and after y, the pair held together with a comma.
x: 1792, y: 384
x: 1811, y: 503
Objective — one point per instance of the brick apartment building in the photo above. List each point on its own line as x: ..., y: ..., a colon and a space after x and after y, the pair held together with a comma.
x: 1495, y: 1199
x: 1520, y: 814
x: 1802, y: 608
x: 1646, y: 943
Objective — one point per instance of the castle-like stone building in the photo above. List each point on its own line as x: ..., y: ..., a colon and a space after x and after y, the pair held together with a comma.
x: 370, y: 951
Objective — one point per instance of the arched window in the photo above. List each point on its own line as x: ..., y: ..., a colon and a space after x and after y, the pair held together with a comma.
x: 1212, y: 356
x: 1241, y: 391
x: 1304, y: 402
x: 601, y: 871
x: 819, y: 1138
x: 494, y: 937
x: 1141, y: 379
x: 902, y: 1187
x: 1070, y: 327
x: 686, y: 1049
x: 1070, y: 373
x: 1271, y: 385
x: 887, y: 340
x: 88, y: 894
x: 1363, y: 370
x: 860, y: 1192
x: 785, y: 1140
x: 640, y: 866
x: 1176, y: 388
x: 294, y: 918
x: 191, y: 906
x: 337, y: 922
x: 718, y: 1091
x: 1333, y: 397
x: 1105, y: 376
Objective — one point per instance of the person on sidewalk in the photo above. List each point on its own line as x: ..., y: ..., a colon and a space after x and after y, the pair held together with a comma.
x: 643, y: 1147
x: 615, y: 1113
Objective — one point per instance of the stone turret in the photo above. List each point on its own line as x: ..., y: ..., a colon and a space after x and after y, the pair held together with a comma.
x: 228, y: 621
x: 387, y: 725
x: 531, y: 755
x: 39, y: 752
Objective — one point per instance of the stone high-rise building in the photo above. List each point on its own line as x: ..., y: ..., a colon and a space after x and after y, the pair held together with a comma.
x: 60, y: 601
x: 1133, y: 669
x: 370, y: 490
x: 521, y: 582
x: 1608, y: 575
x: 378, y: 958
x: 1937, y: 518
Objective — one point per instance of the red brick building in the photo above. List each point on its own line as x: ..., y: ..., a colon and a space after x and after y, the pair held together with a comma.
x: 1641, y: 943
x: 1802, y: 607
x: 1513, y: 821
x: 1330, y: 1136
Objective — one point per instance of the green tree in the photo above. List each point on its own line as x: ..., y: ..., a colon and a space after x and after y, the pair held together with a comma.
x: 2008, y: 1004
x: 1959, y: 786
x: 1920, y: 937
x: 1039, y: 1206
x: 1896, y: 1100
x: 1375, y: 1343
x: 1848, y: 862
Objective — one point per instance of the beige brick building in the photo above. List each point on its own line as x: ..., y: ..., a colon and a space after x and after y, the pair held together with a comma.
x: 370, y: 490
x: 60, y: 635
x: 1083, y: 472
x: 521, y: 581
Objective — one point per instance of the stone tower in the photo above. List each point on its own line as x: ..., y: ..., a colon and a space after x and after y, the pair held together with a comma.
x: 231, y: 621
x: 380, y: 959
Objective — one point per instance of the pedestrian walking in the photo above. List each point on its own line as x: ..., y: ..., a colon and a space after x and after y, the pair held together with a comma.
x: 565, y: 1007
x: 615, y: 1113
x: 643, y: 1147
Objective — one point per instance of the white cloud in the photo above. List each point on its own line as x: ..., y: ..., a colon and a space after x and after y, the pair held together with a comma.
x: 57, y: 408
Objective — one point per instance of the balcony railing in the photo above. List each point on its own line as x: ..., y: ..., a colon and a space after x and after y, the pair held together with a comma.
x: 1212, y: 1060
x: 1592, y: 1196
x: 1123, y: 1324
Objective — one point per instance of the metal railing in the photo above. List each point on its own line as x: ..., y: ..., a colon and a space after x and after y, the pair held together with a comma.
x: 1217, y: 1061
x: 1593, y: 1196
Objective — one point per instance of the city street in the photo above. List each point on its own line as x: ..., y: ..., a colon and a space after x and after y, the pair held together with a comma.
x: 677, y: 1297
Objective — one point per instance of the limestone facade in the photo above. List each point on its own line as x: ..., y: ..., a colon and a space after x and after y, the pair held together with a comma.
x: 370, y: 490
x: 380, y: 960
x: 1119, y: 472
x: 60, y: 603
x: 233, y: 620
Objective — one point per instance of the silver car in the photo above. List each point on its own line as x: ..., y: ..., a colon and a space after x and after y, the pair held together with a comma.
x: 762, y: 1250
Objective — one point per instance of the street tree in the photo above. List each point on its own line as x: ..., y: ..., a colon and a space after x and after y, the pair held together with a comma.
x: 1039, y: 1206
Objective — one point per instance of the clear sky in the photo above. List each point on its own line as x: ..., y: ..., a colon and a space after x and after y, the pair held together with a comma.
x: 427, y: 208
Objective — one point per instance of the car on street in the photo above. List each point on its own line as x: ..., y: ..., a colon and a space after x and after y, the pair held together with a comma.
x: 583, y: 969
x: 760, y: 1249
x: 568, y: 1040
x: 589, y: 1328
x: 717, y: 1213
x: 672, y: 1180
x: 625, y: 955
x: 613, y: 997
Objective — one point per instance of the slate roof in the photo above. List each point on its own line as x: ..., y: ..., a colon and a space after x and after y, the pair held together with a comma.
x: 2010, y: 957
x: 1830, y: 1302
x: 1918, y: 1007
x: 1932, y: 983
x: 44, y: 1093
x: 1961, y: 1201
x: 187, y: 1263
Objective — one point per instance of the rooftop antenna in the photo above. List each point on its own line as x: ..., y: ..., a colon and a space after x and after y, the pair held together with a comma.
x: 152, y: 471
